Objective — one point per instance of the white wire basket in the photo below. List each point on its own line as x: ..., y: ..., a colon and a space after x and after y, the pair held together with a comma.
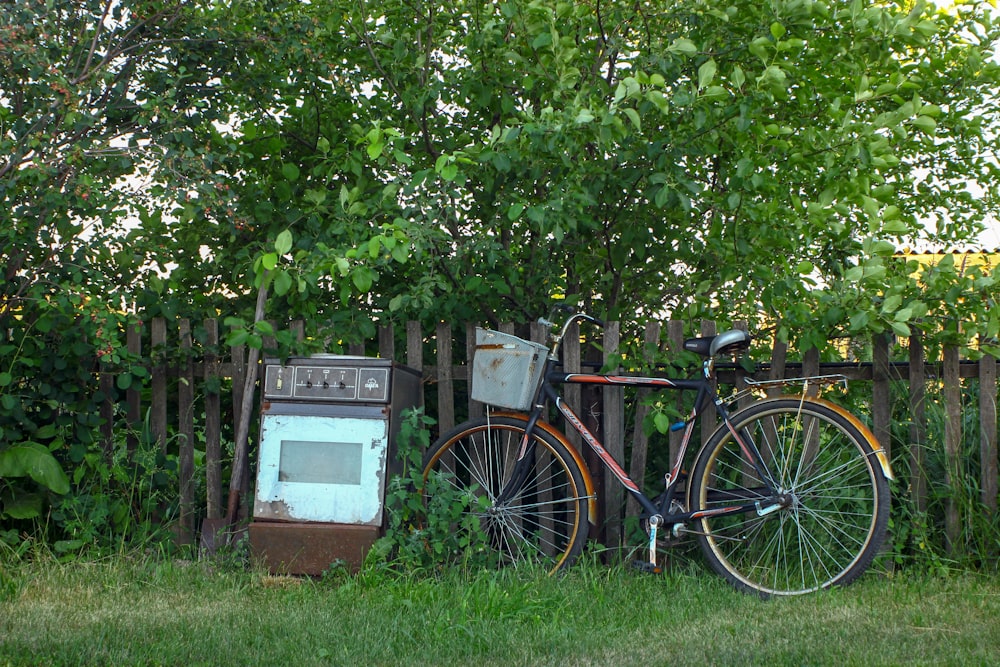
x: 506, y: 370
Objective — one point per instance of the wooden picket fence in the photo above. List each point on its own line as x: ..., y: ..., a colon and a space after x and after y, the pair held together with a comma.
x: 188, y: 380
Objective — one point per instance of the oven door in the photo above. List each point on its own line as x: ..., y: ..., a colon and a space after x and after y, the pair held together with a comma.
x: 322, y: 467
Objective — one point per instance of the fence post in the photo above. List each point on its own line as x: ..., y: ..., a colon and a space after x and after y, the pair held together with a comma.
x: 213, y: 425
x: 133, y: 396
x: 988, y: 430
x: 881, y: 393
x: 415, y: 351
x: 446, y: 389
x: 779, y: 357
x: 709, y: 417
x: 475, y: 407
x: 918, y: 423
x: 675, y: 336
x: 185, y: 429
x: 640, y: 442
x: 614, y: 437
x: 572, y: 363
x: 158, y: 383
x: 386, y: 343
x: 952, y: 444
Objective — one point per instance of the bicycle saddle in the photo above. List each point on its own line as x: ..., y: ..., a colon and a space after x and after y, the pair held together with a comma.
x: 728, y: 342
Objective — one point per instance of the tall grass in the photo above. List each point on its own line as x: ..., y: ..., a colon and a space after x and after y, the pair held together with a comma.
x: 919, y: 536
x: 137, y: 611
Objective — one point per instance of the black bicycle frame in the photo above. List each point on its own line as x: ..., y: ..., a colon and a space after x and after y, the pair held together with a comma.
x: 705, y: 395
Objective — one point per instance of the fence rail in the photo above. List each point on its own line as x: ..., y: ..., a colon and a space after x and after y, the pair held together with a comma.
x: 189, y: 378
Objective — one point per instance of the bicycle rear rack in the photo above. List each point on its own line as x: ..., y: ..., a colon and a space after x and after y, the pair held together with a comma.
x: 807, y: 382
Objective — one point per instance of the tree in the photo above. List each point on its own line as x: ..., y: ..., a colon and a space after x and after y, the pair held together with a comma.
x: 765, y: 161
x: 471, y: 160
x: 90, y: 94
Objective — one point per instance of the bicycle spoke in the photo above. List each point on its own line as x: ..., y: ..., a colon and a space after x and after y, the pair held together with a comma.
x: 543, y: 519
x: 833, y: 505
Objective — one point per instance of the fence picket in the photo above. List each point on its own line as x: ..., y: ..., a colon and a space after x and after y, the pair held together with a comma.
x: 133, y: 397
x: 213, y: 423
x: 918, y: 424
x: 881, y: 398
x: 158, y: 382
x: 185, y: 429
x: 988, y: 430
x: 445, y: 387
x: 613, y: 426
x: 952, y: 442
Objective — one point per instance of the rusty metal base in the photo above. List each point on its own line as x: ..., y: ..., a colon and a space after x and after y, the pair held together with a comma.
x: 310, y: 548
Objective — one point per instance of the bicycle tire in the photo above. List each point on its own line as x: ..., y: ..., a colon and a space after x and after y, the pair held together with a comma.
x: 546, y: 522
x: 838, y: 499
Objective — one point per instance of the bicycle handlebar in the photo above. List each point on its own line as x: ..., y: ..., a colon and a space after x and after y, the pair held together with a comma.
x: 574, y: 316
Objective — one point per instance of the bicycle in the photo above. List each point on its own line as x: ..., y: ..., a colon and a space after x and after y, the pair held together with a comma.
x: 789, y: 495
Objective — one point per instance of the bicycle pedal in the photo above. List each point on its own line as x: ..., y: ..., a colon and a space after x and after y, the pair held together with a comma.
x: 648, y: 568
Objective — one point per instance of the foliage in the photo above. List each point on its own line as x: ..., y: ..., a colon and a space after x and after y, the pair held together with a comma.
x: 431, y: 161
x: 89, y: 92
x: 421, y: 533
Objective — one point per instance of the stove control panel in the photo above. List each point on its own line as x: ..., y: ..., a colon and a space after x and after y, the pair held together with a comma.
x: 324, y: 383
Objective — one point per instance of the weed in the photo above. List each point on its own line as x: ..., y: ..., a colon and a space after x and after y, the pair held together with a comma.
x: 430, y: 523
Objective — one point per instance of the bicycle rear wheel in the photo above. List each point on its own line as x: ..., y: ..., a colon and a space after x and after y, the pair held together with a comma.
x: 544, y: 520
x: 836, y: 506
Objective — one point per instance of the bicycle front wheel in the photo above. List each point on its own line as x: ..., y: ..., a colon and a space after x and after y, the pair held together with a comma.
x: 835, y: 499
x: 537, y: 517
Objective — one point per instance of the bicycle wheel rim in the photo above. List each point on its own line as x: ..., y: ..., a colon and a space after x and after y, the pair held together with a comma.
x: 543, y: 524
x: 837, y: 512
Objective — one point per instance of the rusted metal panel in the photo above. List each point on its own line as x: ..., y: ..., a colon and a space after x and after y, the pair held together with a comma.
x: 310, y: 548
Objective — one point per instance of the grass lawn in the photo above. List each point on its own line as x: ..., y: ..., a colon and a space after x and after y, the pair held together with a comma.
x: 161, y: 612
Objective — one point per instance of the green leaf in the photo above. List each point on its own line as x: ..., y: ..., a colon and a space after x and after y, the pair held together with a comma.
x: 706, y: 73
x: 925, y: 124
x: 901, y: 329
x: 633, y: 116
x: 22, y: 506
x: 401, y: 252
x: 282, y: 283
x: 269, y: 261
x: 362, y: 278
x: 30, y: 459
x: 892, y: 303
x: 662, y: 422
x: 683, y: 46
x: 283, y: 243
x: 290, y: 171
x: 237, y: 337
